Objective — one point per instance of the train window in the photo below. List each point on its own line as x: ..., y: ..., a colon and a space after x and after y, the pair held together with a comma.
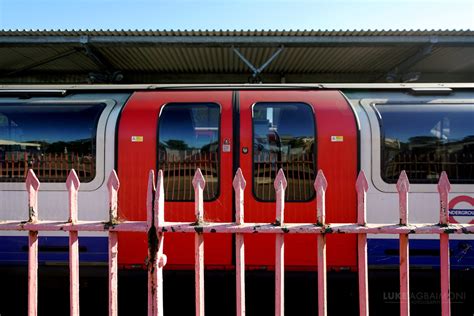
x: 189, y: 139
x: 283, y: 137
x: 425, y: 140
x: 51, y: 139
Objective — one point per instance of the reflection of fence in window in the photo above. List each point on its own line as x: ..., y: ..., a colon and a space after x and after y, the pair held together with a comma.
x: 299, y: 170
x: 47, y: 167
x: 428, y: 166
x: 179, y: 169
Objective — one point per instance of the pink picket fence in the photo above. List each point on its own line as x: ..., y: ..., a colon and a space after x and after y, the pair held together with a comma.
x: 156, y: 228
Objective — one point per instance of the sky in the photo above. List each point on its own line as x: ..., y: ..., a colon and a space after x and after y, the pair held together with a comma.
x: 237, y: 14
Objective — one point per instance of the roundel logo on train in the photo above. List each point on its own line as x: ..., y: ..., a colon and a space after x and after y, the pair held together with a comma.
x: 461, y: 210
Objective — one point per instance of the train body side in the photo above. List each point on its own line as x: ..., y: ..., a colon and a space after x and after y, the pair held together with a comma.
x: 53, y: 200
x: 349, y: 136
x: 382, y: 197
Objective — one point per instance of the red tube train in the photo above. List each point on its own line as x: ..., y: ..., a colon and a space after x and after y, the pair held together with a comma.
x: 341, y: 129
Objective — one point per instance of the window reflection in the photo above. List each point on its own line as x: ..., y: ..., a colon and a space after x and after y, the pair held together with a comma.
x: 50, y: 139
x: 425, y: 140
x: 189, y: 139
x: 283, y: 138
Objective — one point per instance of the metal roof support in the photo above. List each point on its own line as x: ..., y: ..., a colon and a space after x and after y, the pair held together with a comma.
x: 221, y: 40
x: 399, y: 72
x: 107, y: 74
x: 41, y: 62
x: 257, y: 71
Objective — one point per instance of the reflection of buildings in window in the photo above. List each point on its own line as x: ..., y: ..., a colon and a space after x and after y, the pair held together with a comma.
x: 445, y: 145
x: 283, y: 138
x: 188, y: 139
x: 50, y: 139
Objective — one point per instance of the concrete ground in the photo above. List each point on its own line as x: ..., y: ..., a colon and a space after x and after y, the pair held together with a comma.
x: 300, y: 292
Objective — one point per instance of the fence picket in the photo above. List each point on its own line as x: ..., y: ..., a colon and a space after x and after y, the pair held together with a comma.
x: 198, y: 184
x: 239, y: 184
x: 443, y: 188
x: 72, y: 185
x: 155, y: 225
x: 32, y: 187
x: 280, y: 185
x: 152, y: 285
x: 113, y: 185
x: 160, y: 261
x: 403, y: 186
x: 320, y: 186
x: 361, y: 188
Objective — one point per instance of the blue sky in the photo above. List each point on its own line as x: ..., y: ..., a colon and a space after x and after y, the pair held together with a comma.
x: 237, y: 14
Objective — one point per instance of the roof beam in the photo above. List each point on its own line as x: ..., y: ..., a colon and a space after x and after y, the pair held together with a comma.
x: 400, y: 70
x: 41, y: 62
x: 130, y: 77
x: 219, y: 41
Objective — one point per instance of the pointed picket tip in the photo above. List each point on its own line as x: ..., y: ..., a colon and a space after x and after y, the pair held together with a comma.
x: 361, y: 184
x: 113, y: 182
x: 151, y: 180
x: 443, y: 184
x: 239, y: 180
x: 320, y: 181
x: 72, y: 181
x: 149, y: 198
x: 159, y: 181
x: 403, y: 184
x: 280, y: 180
x: 198, y: 179
x: 159, y: 199
x: 32, y: 181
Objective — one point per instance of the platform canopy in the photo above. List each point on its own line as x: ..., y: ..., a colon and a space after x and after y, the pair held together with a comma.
x: 235, y: 56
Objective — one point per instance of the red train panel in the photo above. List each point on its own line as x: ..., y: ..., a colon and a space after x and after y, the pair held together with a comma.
x: 337, y: 157
x: 137, y: 152
x: 336, y: 149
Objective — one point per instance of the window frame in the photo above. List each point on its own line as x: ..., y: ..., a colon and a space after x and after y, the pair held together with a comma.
x: 315, y: 148
x: 376, y: 132
x: 219, y: 160
x: 99, y: 145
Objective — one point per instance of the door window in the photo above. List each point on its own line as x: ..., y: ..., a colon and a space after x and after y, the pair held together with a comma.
x: 283, y: 137
x: 189, y: 139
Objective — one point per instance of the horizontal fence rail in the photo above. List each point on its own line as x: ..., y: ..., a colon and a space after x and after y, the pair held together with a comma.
x: 156, y: 228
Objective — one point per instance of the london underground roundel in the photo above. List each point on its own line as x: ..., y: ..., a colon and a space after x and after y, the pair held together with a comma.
x: 461, y: 210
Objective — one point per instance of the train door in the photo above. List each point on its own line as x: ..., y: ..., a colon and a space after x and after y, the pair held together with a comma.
x: 177, y: 132
x: 300, y: 132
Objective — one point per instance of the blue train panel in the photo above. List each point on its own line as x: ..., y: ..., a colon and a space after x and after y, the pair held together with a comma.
x: 424, y: 253
x: 14, y: 250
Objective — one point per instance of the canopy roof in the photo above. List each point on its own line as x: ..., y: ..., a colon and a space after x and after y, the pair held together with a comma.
x: 113, y: 56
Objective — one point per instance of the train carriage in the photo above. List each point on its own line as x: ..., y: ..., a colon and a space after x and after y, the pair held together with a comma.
x: 340, y: 129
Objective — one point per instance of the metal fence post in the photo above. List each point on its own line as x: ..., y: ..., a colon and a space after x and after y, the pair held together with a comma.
x: 280, y: 185
x: 198, y: 184
x: 151, y: 262
x: 160, y: 262
x: 361, y: 188
x: 113, y: 185
x: 403, y: 186
x: 320, y: 186
x: 443, y: 188
x: 239, y: 184
x: 72, y: 185
x: 32, y: 187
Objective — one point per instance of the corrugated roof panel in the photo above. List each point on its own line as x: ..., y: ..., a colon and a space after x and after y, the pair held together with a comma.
x: 311, y: 56
x: 236, y: 33
x: 448, y: 59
